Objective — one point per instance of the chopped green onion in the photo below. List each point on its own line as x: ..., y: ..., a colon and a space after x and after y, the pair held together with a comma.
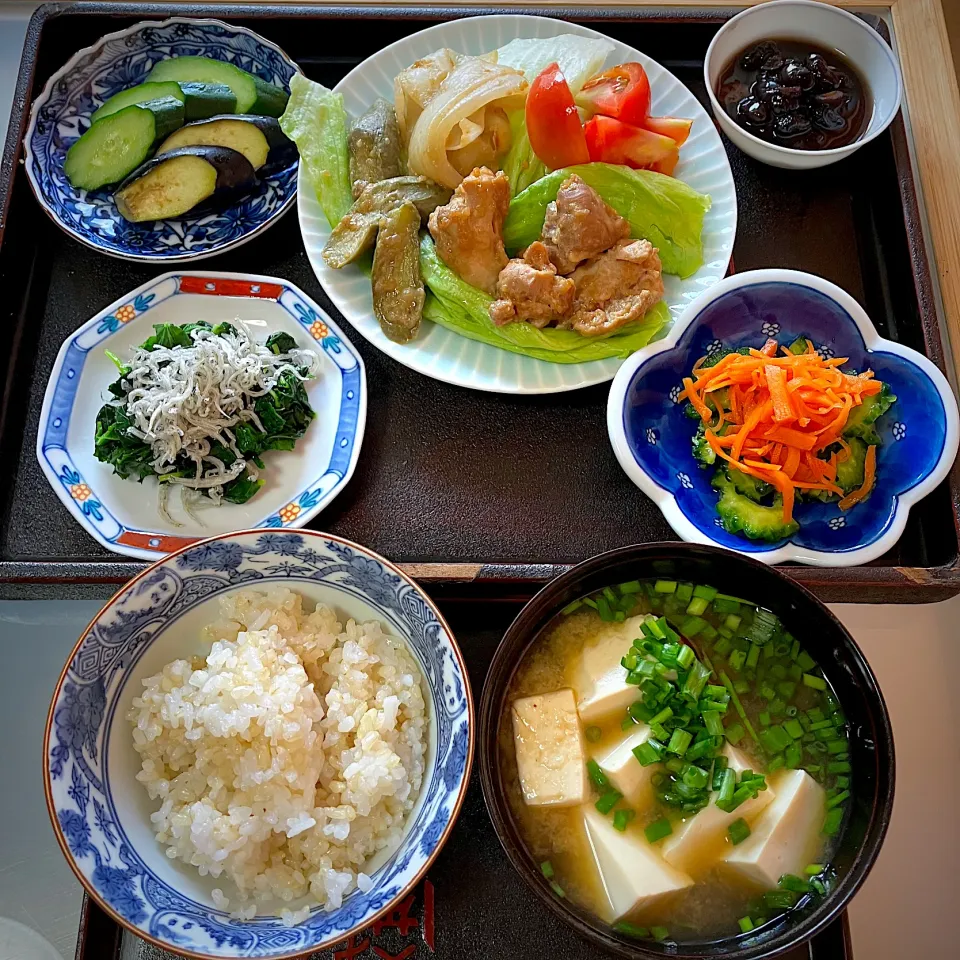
x: 716, y: 692
x: 843, y: 782
x: 597, y: 777
x: 741, y: 686
x: 680, y: 739
x: 722, y: 646
x: 812, y: 869
x: 775, y: 763
x: 738, y: 831
x: 648, y: 752
x: 694, y: 776
x: 697, y: 606
x: 838, y: 799
x: 794, y: 883
x: 589, y: 602
x: 724, y: 605
x: 603, y: 608
x: 684, y: 593
x: 764, y: 719
x: 774, y: 739
x: 780, y: 899
x: 629, y: 929
x: 822, y: 725
x: 665, y: 714
x: 792, y: 756
x: 696, y: 680
x: 805, y: 661
x: 665, y: 586
x: 685, y: 657
x: 737, y: 659
x: 719, y: 765
x: 728, y: 783
x: 734, y: 733
x: 836, y: 746
x: 839, y: 767
x: 610, y: 595
x: 831, y: 823
x: 627, y: 722
x: 793, y: 728
x: 817, y: 683
x: 546, y: 868
x: 608, y: 801
x: 659, y: 933
x: 732, y: 621
x: 631, y: 586
x: 691, y: 626
x: 746, y: 924
x: 621, y: 818
x: 593, y: 734
x: 619, y: 616
x: 705, y: 592
x: 571, y: 607
x: 658, y: 830
x: 753, y: 656
x: 556, y: 888
x: 713, y: 723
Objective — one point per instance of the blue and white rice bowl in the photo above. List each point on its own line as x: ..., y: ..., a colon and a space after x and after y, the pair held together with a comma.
x: 101, y: 814
x: 116, y: 62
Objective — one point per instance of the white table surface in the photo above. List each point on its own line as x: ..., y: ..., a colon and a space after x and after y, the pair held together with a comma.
x: 907, y: 908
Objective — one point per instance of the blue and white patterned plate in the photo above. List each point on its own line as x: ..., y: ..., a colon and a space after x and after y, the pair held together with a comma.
x: 122, y: 514
x: 101, y: 815
x: 116, y: 62
x: 651, y: 432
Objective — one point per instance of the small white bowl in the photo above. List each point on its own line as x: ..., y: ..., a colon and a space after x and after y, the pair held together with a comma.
x: 827, y: 27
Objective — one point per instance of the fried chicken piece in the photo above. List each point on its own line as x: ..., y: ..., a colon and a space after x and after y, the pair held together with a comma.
x: 468, y: 230
x: 579, y: 225
x: 529, y: 289
x: 616, y: 288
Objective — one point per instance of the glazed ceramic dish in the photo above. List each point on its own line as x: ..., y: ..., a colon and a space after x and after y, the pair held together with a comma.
x: 826, y: 26
x: 446, y: 355
x: 121, y: 514
x: 120, y: 60
x: 651, y: 432
x: 845, y: 668
x: 101, y: 814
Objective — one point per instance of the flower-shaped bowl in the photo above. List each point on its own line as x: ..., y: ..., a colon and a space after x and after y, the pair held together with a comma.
x: 651, y: 432
x: 116, y: 62
x: 122, y: 515
x: 101, y: 814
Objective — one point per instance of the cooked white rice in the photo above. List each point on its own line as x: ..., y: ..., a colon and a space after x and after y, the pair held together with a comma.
x: 288, y: 756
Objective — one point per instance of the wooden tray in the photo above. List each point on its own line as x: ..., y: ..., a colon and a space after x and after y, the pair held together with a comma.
x: 472, y: 905
x: 476, y: 493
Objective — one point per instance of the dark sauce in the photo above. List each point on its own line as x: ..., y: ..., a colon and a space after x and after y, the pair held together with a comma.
x: 794, y: 94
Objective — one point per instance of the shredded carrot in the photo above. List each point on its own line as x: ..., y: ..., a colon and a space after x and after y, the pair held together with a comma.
x: 783, y: 413
x: 869, y: 478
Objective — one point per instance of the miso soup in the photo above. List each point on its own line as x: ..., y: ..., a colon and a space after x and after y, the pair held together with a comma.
x: 675, y: 761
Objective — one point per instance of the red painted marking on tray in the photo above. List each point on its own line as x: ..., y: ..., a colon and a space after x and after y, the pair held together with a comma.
x: 154, y: 541
x: 219, y: 287
x: 352, y: 949
x: 402, y: 955
x: 398, y: 919
x: 428, y: 914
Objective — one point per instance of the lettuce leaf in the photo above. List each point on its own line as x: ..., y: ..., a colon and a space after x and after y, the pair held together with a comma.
x: 521, y: 165
x: 454, y: 304
x: 579, y: 58
x: 661, y: 209
x: 316, y: 121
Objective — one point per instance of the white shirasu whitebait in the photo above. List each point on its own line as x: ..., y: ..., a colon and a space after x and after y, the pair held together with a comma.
x: 183, y: 400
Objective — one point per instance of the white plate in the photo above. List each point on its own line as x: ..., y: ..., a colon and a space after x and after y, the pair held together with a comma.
x: 447, y: 356
x: 122, y: 514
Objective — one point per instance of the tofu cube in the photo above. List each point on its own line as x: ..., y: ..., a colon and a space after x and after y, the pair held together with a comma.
x: 632, y: 873
x: 786, y: 836
x: 626, y: 772
x: 702, y: 840
x: 550, y: 756
x: 599, y: 679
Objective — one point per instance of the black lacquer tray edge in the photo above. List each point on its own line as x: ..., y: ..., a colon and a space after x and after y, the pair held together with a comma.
x: 42, y: 579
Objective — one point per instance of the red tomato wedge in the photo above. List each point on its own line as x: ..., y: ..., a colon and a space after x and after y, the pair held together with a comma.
x: 676, y: 128
x: 610, y: 141
x: 553, y: 124
x: 622, y: 92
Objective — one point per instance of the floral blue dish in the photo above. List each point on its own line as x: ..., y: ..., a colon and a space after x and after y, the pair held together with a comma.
x: 101, y: 814
x: 120, y: 60
x: 121, y: 514
x: 651, y: 433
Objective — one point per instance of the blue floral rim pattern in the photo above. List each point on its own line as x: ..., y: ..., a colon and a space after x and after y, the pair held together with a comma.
x: 78, y: 494
x: 651, y: 431
x: 96, y: 684
x: 121, y: 60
